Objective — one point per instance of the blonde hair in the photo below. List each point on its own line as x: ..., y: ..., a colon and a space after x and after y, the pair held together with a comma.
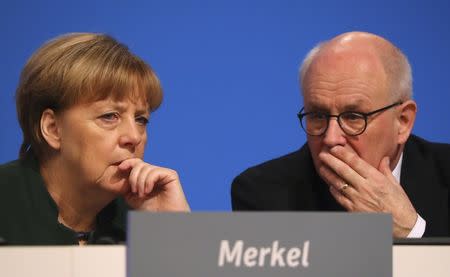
x: 79, y: 68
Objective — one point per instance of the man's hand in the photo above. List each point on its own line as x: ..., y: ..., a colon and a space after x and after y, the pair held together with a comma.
x: 153, y: 188
x: 369, y: 189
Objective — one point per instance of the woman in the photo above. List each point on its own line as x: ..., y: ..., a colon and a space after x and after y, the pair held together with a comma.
x: 83, y: 103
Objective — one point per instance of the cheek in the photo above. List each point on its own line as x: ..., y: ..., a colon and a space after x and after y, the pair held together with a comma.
x: 95, y: 157
x: 141, y: 147
x: 97, y: 154
x: 373, y: 147
x: 314, y: 146
x: 140, y: 151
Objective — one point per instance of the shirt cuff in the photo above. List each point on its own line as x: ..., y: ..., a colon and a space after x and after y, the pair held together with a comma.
x: 419, y: 228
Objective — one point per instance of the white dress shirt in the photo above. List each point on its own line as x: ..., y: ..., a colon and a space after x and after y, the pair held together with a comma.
x: 419, y: 228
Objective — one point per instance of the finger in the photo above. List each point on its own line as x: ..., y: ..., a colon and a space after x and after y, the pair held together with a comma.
x: 151, y: 181
x: 159, y: 177
x: 338, y: 184
x: 347, y: 190
x: 330, y: 177
x: 134, y: 174
x: 352, y: 159
x: 141, y: 179
x: 385, y: 168
x: 129, y: 163
x: 341, y: 198
x: 342, y: 169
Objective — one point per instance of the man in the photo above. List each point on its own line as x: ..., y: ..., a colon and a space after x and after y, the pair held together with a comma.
x: 360, y: 157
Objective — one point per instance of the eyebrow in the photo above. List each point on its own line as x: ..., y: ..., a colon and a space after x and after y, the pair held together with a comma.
x: 119, y: 105
x: 140, y: 112
x: 317, y: 108
x: 357, y: 106
x: 352, y: 107
x: 123, y: 106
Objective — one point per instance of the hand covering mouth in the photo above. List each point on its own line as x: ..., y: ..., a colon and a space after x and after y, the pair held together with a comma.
x: 119, y: 162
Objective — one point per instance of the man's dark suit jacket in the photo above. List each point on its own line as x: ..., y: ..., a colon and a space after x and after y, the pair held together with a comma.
x: 291, y: 183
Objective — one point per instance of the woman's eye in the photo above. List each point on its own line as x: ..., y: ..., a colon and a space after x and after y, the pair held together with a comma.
x: 110, y: 117
x: 142, y: 120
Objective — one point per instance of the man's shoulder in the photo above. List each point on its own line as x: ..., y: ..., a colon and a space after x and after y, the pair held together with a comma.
x: 420, y: 154
x: 283, y: 183
x: 427, y: 148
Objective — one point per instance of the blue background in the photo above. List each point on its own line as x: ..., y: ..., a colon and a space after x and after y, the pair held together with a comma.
x: 229, y: 71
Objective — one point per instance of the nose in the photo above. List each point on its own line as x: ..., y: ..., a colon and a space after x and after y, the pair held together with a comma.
x: 334, y: 135
x: 130, y: 134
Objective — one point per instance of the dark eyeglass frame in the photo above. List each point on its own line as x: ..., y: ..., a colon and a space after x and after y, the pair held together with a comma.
x: 300, y: 116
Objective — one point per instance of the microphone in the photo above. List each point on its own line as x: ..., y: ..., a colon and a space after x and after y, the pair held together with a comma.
x: 108, y: 237
x: 106, y: 240
x: 84, y: 236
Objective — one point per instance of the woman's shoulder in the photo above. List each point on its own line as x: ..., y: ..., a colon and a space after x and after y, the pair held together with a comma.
x: 11, y: 170
x: 15, y: 173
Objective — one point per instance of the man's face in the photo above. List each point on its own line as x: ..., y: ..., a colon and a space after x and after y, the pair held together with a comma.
x: 341, y: 82
x: 96, y: 137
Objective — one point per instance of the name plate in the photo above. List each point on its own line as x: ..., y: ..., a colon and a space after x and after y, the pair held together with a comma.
x: 241, y: 244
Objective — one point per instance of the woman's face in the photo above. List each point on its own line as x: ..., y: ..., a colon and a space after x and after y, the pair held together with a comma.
x: 96, y: 137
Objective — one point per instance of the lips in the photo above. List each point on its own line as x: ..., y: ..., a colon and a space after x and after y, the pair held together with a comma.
x: 119, y: 162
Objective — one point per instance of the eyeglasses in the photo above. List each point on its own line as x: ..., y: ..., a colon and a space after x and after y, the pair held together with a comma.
x: 352, y: 123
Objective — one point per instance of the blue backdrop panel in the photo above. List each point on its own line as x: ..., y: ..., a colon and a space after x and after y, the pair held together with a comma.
x: 229, y: 71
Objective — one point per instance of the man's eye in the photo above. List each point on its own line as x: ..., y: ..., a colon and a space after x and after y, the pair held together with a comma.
x: 352, y: 116
x: 142, y: 120
x: 317, y: 116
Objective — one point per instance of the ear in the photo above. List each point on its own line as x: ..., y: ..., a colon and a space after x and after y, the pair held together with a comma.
x: 406, y: 119
x: 50, y: 130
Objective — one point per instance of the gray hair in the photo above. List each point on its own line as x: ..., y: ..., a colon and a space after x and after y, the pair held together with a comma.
x: 395, y: 63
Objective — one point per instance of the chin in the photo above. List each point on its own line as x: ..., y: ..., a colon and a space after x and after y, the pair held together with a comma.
x: 118, y: 188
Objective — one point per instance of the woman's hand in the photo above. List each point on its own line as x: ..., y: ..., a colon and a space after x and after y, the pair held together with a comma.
x: 153, y: 188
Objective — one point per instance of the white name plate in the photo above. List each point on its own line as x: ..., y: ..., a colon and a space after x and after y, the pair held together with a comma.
x: 309, y: 244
